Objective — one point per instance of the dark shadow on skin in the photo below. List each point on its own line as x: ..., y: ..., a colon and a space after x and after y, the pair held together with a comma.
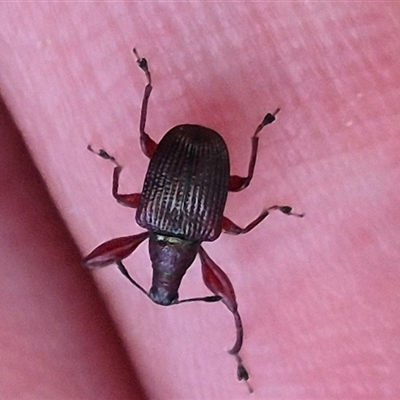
x: 35, y: 189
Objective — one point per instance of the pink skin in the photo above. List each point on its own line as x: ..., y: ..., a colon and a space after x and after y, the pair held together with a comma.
x: 318, y: 296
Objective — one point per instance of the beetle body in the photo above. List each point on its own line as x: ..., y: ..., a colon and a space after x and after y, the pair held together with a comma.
x: 181, y: 206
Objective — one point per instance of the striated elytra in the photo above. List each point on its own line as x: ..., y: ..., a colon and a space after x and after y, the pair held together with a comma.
x: 186, y: 185
x: 181, y: 205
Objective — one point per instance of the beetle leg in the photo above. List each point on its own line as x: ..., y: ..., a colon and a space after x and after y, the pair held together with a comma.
x: 125, y: 272
x: 128, y: 200
x: 147, y: 143
x: 238, y: 183
x: 230, y: 227
x: 207, y: 299
x: 218, y: 282
x: 113, y: 251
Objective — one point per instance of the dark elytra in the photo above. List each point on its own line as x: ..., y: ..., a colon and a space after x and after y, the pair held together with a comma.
x: 180, y: 206
x: 186, y: 185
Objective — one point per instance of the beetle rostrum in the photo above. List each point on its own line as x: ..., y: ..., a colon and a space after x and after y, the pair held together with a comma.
x: 180, y: 206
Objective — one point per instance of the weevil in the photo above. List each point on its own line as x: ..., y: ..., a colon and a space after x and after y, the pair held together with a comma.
x: 180, y: 206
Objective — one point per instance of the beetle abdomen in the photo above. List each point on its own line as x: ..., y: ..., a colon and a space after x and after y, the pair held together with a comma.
x: 186, y: 185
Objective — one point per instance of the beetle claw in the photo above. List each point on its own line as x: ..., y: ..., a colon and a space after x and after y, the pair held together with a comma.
x: 142, y: 62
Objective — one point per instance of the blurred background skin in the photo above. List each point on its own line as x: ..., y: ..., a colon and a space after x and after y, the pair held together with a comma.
x: 319, y: 296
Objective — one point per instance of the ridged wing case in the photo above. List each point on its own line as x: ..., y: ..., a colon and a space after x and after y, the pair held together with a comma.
x: 186, y: 185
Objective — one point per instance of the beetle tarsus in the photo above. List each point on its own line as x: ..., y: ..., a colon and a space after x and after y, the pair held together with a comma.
x: 231, y: 228
x: 104, y: 155
x: 242, y: 373
x: 207, y: 299
x: 286, y: 210
x: 142, y: 62
x: 276, y: 111
x: 268, y: 119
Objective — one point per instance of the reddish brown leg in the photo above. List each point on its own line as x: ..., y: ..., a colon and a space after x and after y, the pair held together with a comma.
x: 113, y: 252
x: 238, y: 183
x: 147, y: 143
x: 218, y: 282
x: 230, y: 227
x: 125, y: 272
x: 128, y: 200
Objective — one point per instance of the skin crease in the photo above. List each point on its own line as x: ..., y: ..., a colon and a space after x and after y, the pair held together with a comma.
x: 318, y: 296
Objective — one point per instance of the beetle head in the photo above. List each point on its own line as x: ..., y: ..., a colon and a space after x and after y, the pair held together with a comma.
x: 162, y: 295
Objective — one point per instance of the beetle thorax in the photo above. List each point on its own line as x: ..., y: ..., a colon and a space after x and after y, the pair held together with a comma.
x: 171, y: 257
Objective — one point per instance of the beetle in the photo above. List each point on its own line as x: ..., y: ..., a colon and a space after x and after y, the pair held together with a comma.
x: 181, y: 205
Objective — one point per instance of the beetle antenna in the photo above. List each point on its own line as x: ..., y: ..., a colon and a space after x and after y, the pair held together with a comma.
x: 103, y: 154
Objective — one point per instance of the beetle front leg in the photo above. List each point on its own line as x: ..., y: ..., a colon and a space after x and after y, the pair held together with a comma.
x: 147, y: 143
x: 113, y: 251
x: 207, y: 299
x: 231, y: 228
x: 238, y: 183
x: 218, y: 282
x: 128, y: 200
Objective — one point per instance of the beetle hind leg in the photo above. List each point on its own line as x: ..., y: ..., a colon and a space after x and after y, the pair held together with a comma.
x: 218, y: 282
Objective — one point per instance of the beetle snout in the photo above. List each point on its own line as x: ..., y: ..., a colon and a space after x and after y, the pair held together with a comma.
x: 162, y: 296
